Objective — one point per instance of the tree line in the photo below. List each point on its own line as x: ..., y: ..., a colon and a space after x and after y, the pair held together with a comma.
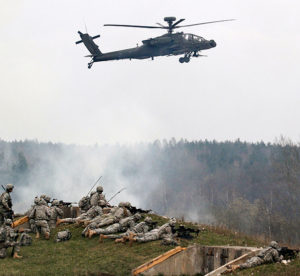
x: 252, y: 188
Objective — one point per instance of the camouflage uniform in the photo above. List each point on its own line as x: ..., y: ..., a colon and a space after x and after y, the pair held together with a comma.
x: 32, y: 221
x: 98, y: 199
x: 55, y: 212
x: 140, y: 228
x: 84, y: 204
x: 163, y: 232
x: 8, y: 239
x: 115, y: 214
x: 63, y: 236
x: 41, y: 215
x: 6, y: 204
x: 90, y: 214
x: 25, y: 239
x: 267, y: 255
x: 121, y: 226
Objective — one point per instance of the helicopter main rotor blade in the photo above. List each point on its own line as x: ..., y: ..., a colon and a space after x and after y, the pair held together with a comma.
x: 203, y: 23
x: 176, y: 23
x: 135, y: 26
x: 161, y: 25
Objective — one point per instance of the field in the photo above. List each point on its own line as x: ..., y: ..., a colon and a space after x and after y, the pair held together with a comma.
x: 82, y: 256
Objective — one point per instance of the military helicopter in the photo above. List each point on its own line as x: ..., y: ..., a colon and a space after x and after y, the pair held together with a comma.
x: 169, y: 44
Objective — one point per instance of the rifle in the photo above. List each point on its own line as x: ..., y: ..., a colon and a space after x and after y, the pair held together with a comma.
x: 68, y: 204
x: 185, y: 232
x: 3, y: 187
x: 135, y: 210
x: 94, y: 185
x: 288, y: 253
x: 15, y: 240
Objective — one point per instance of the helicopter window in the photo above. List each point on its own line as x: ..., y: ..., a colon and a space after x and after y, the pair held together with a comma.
x: 188, y: 36
x: 199, y: 38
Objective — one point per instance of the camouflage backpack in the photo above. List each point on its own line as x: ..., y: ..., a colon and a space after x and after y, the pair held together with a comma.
x: 63, y: 236
x: 84, y: 203
x: 25, y: 239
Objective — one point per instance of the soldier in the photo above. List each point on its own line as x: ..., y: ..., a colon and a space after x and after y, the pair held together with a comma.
x: 97, y: 196
x: 90, y: 214
x: 164, y: 231
x: 115, y: 214
x: 45, y: 199
x: 265, y: 256
x: 56, y: 213
x: 140, y: 228
x: 8, y: 238
x: 6, y: 204
x: 32, y: 221
x: 120, y: 226
x: 41, y: 215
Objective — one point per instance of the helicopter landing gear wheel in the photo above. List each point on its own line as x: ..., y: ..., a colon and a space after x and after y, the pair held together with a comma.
x: 181, y: 60
x: 90, y: 64
x: 186, y: 59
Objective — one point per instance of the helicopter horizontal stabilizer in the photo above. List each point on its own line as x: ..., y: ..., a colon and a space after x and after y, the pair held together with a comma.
x: 89, y: 43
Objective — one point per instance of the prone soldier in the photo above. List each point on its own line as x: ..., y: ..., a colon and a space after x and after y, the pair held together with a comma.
x: 270, y: 254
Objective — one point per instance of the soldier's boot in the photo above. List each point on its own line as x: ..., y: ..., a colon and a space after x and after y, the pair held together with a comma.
x: 118, y: 240
x: 131, y: 238
x: 234, y: 267
x: 92, y: 233
x: 78, y: 222
x: 59, y: 221
x: 86, y: 223
x: 37, y: 235
x: 86, y: 234
x: 47, y: 236
x: 17, y: 256
x: 102, y: 237
x: 131, y: 241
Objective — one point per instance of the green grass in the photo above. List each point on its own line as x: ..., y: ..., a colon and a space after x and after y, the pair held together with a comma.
x: 292, y: 269
x: 82, y: 256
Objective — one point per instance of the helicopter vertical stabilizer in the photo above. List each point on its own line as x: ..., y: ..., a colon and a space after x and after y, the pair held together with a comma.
x: 89, y: 43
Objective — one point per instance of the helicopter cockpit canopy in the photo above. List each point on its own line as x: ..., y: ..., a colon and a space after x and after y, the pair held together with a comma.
x: 192, y: 37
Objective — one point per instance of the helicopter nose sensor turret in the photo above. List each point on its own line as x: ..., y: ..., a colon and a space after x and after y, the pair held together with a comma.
x: 212, y: 43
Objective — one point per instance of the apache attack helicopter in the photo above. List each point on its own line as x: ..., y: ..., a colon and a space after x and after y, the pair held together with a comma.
x: 169, y: 44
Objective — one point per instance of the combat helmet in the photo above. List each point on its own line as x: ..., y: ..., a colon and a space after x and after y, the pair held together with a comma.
x: 55, y: 202
x: 275, y: 245
x: 148, y: 220
x: 172, y: 221
x: 99, y: 189
x: 9, y: 187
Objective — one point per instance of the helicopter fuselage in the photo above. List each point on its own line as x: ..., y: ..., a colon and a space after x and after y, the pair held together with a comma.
x: 165, y: 45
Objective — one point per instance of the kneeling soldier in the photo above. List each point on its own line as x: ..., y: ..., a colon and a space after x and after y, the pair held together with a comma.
x: 8, y: 238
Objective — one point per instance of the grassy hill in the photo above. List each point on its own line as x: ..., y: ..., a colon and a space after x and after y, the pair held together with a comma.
x: 82, y: 256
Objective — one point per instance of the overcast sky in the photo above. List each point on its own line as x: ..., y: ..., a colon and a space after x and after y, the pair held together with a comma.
x: 247, y: 87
